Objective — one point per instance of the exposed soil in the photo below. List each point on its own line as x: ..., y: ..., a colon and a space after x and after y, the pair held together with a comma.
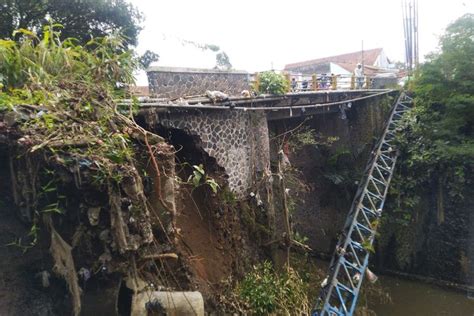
x: 210, y: 256
x: 213, y: 236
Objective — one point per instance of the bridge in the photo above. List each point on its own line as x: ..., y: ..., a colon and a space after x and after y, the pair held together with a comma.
x: 276, y: 107
x: 234, y: 131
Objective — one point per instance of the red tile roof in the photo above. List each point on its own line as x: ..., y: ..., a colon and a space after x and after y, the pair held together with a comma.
x: 370, y: 57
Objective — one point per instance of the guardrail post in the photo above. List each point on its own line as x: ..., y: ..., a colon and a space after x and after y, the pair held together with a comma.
x: 315, y: 82
x: 256, y: 84
x: 367, y: 82
x: 288, y: 79
x: 353, y: 81
x: 333, y: 82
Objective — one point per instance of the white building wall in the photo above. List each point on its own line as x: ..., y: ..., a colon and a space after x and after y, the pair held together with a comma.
x: 382, y: 60
x: 338, y: 70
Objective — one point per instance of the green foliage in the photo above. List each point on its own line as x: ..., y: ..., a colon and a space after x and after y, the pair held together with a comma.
x: 228, y: 197
x: 30, y: 242
x: 265, y: 292
x: 46, y: 68
x: 82, y: 19
x: 223, y: 61
x: 300, y: 238
x: 118, y: 148
x: 306, y: 136
x: 199, y: 177
x: 49, y: 200
x: 444, y: 113
x: 147, y: 58
x: 273, y: 83
x: 69, y: 93
x: 368, y: 246
x: 338, y: 171
x: 438, y: 138
x: 49, y: 197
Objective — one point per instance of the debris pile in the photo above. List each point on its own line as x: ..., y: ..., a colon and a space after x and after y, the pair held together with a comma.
x: 68, y: 142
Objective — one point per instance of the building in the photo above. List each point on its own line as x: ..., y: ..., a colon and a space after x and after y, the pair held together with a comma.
x: 374, y: 60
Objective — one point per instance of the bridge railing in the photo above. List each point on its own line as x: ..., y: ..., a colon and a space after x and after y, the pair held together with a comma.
x: 316, y: 82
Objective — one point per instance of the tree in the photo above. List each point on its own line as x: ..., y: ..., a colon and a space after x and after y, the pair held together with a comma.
x: 445, y: 102
x: 437, y: 143
x: 147, y: 58
x: 82, y: 19
x: 434, y: 178
x: 222, y: 61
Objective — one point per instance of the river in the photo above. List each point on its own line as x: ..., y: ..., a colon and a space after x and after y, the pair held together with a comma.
x: 420, y: 299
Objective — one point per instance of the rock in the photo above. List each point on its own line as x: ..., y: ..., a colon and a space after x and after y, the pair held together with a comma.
x: 216, y: 96
x: 173, y: 303
x: 93, y: 215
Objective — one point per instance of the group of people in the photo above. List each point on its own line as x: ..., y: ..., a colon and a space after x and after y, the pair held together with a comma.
x: 324, y: 80
x: 323, y: 83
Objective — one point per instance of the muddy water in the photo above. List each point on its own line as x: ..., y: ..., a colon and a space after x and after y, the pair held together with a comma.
x: 414, y: 298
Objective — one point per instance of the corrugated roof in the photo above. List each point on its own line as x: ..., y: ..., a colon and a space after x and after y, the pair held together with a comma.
x: 370, y: 57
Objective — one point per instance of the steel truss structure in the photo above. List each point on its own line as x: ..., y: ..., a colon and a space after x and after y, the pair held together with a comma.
x: 349, y: 263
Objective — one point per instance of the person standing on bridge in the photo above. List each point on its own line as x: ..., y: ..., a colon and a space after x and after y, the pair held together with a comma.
x: 304, y: 85
x: 294, y: 84
x: 359, y: 76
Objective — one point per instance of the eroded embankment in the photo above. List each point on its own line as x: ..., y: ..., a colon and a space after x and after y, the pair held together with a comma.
x: 87, y: 233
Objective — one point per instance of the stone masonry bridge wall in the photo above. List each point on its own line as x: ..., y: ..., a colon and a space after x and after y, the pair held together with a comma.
x: 170, y: 82
x: 238, y: 140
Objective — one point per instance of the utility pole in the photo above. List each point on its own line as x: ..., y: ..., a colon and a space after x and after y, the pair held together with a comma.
x: 410, y: 27
x: 417, y: 54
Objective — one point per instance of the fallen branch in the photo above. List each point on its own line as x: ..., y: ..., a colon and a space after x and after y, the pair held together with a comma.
x: 301, y: 245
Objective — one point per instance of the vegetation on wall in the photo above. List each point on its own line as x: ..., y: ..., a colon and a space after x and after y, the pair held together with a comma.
x: 437, y: 142
x: 438, y: 137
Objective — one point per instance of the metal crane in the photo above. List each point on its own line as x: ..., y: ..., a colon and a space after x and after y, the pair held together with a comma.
x: 340, y: 290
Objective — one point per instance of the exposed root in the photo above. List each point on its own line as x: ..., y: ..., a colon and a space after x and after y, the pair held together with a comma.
x: 161, y: 256
x: 64, y: 265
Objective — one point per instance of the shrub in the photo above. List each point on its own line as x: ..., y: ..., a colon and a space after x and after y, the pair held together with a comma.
x: 273, y: 83
x: 265, y: 291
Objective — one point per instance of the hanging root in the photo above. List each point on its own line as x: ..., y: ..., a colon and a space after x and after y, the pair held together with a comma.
x: 64, y: 265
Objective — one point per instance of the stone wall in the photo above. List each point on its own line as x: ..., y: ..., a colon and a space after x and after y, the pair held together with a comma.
x: 169, y: 82
x: 238, y: 140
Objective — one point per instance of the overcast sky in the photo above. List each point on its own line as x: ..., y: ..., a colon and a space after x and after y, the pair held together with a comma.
x: 259, y: 34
